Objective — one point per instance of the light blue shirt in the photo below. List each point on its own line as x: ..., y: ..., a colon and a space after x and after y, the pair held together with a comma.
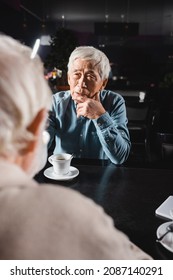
x: 104, y: 138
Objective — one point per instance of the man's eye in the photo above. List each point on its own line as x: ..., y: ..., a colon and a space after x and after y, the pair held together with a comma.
x: 76, y: 74
x: 91, y: 77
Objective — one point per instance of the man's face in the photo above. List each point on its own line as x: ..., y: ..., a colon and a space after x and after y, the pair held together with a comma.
x: 84, y: 79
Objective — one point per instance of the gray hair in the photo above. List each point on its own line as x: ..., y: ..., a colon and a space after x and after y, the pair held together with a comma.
x: 93, y: 54
x: 23, y: 93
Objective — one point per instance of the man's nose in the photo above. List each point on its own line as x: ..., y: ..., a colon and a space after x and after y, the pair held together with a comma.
x: 81, y: 82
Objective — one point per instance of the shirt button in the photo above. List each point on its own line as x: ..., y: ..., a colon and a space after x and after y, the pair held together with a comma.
x: 81, y: 135
x: 80, y: 150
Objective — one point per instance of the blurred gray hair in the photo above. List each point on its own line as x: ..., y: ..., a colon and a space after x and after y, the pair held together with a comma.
x: 23, y: 93
x: 93, y: 54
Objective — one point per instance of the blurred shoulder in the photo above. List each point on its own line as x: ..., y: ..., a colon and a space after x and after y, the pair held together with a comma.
x: 69, y: 197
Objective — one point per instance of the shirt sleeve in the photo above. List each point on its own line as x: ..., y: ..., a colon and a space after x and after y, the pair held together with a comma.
x: 113, y: 132
x: 52, y: 122
x: 51, y: 128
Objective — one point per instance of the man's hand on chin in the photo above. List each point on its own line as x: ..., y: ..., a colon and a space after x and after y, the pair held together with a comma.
x: 90, y: 108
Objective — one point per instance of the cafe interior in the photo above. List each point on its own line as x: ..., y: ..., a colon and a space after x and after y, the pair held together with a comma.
x: 137, y: 37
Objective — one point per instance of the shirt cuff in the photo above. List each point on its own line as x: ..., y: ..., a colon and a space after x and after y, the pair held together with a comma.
x: 103, y: 121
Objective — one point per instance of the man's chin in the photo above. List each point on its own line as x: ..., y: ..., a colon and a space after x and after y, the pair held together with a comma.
x: 78, y: 96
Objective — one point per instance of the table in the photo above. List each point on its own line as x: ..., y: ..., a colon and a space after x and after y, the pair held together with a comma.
x: 129, y: 195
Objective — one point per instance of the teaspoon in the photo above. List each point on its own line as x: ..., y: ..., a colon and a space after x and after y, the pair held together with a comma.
x: 169, y: 229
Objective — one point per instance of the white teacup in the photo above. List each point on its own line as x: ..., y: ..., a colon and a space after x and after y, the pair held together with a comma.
x: 61, y: 163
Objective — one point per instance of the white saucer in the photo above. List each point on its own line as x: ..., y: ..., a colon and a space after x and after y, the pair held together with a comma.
x: 167, y: 241
x: 49, y: 173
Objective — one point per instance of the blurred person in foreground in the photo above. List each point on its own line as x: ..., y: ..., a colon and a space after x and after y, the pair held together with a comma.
x: 42, y: 221
x: 87, y: 120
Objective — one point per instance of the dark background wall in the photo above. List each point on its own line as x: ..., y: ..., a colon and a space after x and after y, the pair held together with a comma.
x: 136, y: 35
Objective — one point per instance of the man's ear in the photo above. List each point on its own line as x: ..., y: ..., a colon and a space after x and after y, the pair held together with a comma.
x: 36, y: 124
x: 35, y: 127
x: 104, y: 84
